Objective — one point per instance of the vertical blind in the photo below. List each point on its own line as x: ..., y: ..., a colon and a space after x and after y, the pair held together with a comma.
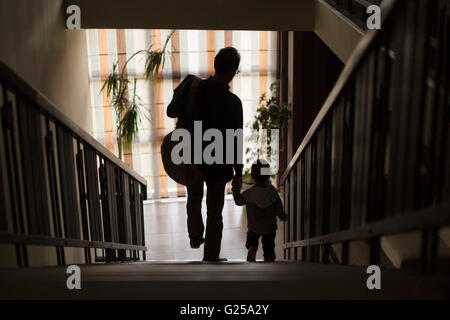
x: 191, y: 52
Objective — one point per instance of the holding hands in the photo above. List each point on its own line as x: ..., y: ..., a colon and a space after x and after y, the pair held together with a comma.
x: 236, y: 184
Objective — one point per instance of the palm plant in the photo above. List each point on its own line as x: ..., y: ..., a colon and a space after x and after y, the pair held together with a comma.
x: 128, y: 109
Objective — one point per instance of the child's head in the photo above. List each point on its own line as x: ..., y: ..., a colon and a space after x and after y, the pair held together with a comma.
x: 258, y: 173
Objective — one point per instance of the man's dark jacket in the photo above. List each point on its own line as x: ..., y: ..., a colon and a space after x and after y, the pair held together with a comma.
x: 217, y: 108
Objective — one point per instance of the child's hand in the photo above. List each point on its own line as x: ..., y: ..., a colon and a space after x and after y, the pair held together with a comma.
x: 235, y: 189
x: 236, y: 184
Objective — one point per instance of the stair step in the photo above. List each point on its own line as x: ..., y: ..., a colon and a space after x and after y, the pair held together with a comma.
x: 234, y: 279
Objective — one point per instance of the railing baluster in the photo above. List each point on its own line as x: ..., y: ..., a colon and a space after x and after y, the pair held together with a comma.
x: 345, y: 254
x: 83, y: 198
x: 141, y: 204
x: 347, y: 177
x: 293, y: 213
x: 5, y: 208
x: 67, y: 174
x: 299, y: 207
x: 307, y: 217
x: 303, y: 208
x: 413, y: 99
x: 337, y: 150
x: 93, y: 195
x: 313, y: 191
x: 350, y: 6
x: 319, y: 189
x: 429, y: 250
x: 378, y: 150
x: 17, y: 202
x: 357, y: 191
x: 285, y: 229
x: 56, y: 209
x: 375, y: 251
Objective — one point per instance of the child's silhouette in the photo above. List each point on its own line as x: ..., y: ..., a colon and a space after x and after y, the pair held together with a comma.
x: 263, y: 206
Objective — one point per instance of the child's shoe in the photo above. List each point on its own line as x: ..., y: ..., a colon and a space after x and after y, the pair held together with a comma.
x: 251, y: 255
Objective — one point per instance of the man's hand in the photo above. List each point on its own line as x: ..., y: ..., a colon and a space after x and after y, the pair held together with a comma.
x: 237, y: 183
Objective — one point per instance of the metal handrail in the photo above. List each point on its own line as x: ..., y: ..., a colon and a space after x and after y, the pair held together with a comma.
x: 59, y: 186
x: 375, y: 160
x: 358, y: 55
x: 50, y: 109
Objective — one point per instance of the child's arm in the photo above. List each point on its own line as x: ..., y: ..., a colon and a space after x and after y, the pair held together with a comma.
x: 279, y: 209
x: 238, y: 197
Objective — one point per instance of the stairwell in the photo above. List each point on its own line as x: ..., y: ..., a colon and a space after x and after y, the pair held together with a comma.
x: 369, y: 206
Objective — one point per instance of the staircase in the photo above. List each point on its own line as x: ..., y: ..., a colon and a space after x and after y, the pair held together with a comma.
x: 194, y: 280
x: 61, y: 188
x: 374, y: 163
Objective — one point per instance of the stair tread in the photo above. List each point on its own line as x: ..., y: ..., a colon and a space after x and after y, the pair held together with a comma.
x: 234, y: 279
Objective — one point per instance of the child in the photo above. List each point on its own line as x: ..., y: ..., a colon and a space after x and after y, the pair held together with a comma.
x: 263, y: 206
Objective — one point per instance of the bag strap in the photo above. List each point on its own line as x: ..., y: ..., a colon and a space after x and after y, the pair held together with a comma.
x: 191, y: 105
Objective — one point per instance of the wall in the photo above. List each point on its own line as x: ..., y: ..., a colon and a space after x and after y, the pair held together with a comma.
x: 283, y: 15
x: 312, y: 72
x: 36, y: 45
x: 336, y: 31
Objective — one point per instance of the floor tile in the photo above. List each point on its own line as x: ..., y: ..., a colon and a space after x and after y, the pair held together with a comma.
x: 152, y: 256
x: 157, y: 224
x: 235, y: 254
x: 233, y: 238
x: 178, y: 223
x: 192, y: 255
x: 167, y: 237
x: 159, y: 243
x: 181, y: 242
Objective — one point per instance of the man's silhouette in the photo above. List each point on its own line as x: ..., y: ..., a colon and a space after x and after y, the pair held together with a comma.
x: 220, y: 109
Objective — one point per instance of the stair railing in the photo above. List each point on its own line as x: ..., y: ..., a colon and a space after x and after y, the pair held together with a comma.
x: 354, y: 10
x: 376, y: 159
x: 60, y: 187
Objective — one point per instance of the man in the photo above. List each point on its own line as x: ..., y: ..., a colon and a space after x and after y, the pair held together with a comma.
x: 220, y: 109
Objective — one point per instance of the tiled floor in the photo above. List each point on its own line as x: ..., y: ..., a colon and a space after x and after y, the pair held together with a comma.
x: 167, y: 238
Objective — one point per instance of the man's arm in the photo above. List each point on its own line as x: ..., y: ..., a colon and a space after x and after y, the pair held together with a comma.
x: 180, y: 98
x: 239, y: 198
x: 239, y: 124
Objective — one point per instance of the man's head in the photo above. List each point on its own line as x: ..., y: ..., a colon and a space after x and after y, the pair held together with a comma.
x: 257, y: 172
x: 226, y: 63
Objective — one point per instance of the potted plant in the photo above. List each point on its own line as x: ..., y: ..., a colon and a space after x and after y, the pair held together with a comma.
x: 271, y: 114
x: 127, y: 108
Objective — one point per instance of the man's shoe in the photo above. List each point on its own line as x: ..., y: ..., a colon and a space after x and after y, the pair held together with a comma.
x: 215, y: 260
x: 195, y: 244
x: 251, y: 255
